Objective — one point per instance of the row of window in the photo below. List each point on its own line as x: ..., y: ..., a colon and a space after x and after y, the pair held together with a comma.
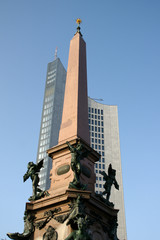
x: 95, y: 116
x: 98, y: 147
x: 95, y: 122
x: 50, y: 72
x: 100, y: 166
x: 44, y: 148
x: 42, y: 155
x: 97, y: 140
x: 95, y: 110
x: 48, y: 105
x: 99, y: 129
x: 46, y: 124
x: 47, y: 111
x: 52, y: 80
x: 47, y: 118
x: 46, y: 129
x: 99, y: 185
x: 51, y: 76
x: 44, y: 142
x: 45, y: 135
x: 99, y: 135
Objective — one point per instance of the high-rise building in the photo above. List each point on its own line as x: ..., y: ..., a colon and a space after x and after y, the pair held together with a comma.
x: 51, y: 117
x: 104, y: 136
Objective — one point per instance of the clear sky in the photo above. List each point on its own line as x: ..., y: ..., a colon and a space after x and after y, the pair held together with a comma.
x: 123, y: 61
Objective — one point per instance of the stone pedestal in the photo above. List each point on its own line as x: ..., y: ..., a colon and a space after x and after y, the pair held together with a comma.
x: 103, y: 218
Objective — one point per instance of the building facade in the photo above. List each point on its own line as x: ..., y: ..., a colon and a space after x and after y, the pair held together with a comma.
x: 104, y: 136
x: 51, y: 117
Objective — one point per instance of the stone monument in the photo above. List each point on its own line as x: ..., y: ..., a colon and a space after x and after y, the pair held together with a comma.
x: 70, y: 209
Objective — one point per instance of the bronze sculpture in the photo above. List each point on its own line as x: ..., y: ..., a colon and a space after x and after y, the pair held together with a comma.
x: 77, y: 154
x: 109, y: 181
x: 32, y: 172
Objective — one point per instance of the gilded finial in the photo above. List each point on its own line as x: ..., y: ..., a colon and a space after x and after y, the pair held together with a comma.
x: 78, y: 21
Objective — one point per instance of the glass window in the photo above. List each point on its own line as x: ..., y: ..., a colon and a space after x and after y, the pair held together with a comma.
x: 103, y: 166
x: 92, y: 134
x: 96, y: 184
x: 99, y: 146
x: 92, y: 145
x: 92, y: 110
x: 98, y: 111
x: 89, y: 109
x: 95, y: 122
x: 101, y: 112
x: 100, y: 178
x: 95, y: 134
x: 96, y: 165
x: 98, y: 129
x: 99, y: 135
x: 89, y: 121
x: 102, y: 141
x: 99, y: 166
x: 89, y: 115
x: 100, y: 185
x: 102, y: 147
x: 92, y: 128
x: 99, y: 141
x: 102, y: 153
x: 92, y: 139
x: 102, y: 135
x: 102, y: 129
x: 96, y: 146
x: 95, y: 116
x: 95, y: 111
x: 92, y: 116
x: 103, y: 160
x: 95, y: 129
x: 95, y: 140
x: 102, y: 124
x: 98, y: 123
x: 92, y: 121
x: 101, y: 117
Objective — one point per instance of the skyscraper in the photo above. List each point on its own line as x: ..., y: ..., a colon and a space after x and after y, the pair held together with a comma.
x: 104, y: 136
x: 51, y: 116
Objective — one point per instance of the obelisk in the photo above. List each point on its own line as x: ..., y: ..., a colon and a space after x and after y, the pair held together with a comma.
x: 75, y: 109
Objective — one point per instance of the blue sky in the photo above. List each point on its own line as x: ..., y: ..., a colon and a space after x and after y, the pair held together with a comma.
x: 123, y: 64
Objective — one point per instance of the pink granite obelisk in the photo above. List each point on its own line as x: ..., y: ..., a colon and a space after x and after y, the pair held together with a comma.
x: 75, y: 109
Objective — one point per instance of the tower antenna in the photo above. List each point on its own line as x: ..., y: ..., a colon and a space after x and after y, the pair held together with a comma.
x: 55, y: 55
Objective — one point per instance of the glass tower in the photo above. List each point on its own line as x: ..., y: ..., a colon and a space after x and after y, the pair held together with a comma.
x: 51, y: 117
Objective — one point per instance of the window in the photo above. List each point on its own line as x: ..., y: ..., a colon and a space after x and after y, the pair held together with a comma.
x: 102, y: 135
x: 92, y: 139
x: 89, y: 115
x: 92, y: 128
x: 98, y: 129
x: 103, y: 166
x: 96, y: 146
x: 102, y: 153
x: 99, y: 141
x: 103, y: 160
x: 100, y: 185
x: 96, y: 184
x: 95, y: 140
x: 101, y: 112
x: 92, y: 145
x: 95, y: 122
x: 98, y: 111
x: 98, y: 123
x: 89, y: 121
x: 95, y: 116
x: 102, y: 141
x: 101, y: 117
x: 92, y: 134
x: 99, y: 135
x: 99, y: 166
x: 95, y: 134
x: 92, y: 121
x: 102, y: 124
x: 95, y: 111
x: 92, y: 110
x: 95, y: 129
x: 102, y: 130
x: 89, y: 109
x: 102, y: 147
x: 96, y: 165
x: 100, y: 178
